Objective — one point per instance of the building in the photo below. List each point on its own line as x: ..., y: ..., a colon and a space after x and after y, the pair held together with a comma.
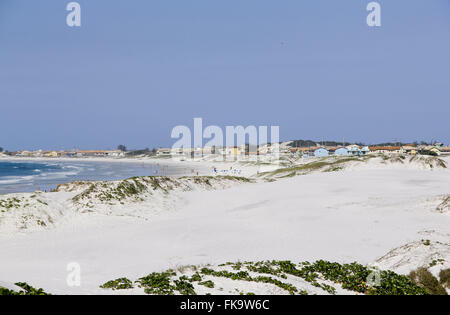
x: 387, y: 149
x: 353, y: 149
x: 320, y: 152
x: 90, y: 153
x: 26, y: 154
x: 52, y: 154
x: 164, y: 152
x: 233, y: 151
x: 68, y: 153
x: 407, y: 149
x: 445, y: 150
x: 364, y: 150
x: 115, y: 153
x: 341, y: 151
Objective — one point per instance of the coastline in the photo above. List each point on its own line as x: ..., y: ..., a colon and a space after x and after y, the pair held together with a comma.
x: 377, y: 214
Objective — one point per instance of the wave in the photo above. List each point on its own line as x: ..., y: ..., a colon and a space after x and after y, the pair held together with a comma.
x: 42, y: 174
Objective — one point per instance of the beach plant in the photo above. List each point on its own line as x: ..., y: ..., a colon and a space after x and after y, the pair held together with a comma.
x: 184, y: 287
x: 207, y: 283
x: 425, y: 279
x: 27, y: 290
x: 321, y: 274
x: 118, y: 284
x: 158, y: 283
x: 10, y: 203
x: 444, y: 277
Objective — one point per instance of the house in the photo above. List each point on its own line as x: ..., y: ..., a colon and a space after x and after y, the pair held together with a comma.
x: 68, y: 154
x: 341, y: 151
x: 52, y: 154
x: 302, y: 151
x: 387, y: 149
x: 321, y: 152
x: 82, y: 153
x: 115, y: 153
x: 233, y: 151
x: 164, y: 152
x: 26, y: 154
x: 445, y: 150
x: 353, y: 149
x: 364, y: 150
x: 407, y: 149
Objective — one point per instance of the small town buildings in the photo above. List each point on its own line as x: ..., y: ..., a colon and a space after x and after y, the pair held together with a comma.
x: 386, y: 149
x: 91, y: 153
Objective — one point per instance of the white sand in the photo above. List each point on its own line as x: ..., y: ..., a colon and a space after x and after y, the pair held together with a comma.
x: 355, y: 215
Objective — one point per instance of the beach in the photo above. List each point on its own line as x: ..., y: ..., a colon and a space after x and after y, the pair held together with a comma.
x: 47, y: 173
x: 358, y: 214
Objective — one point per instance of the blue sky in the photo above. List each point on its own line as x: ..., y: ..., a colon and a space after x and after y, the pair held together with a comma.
x: 135, y: 69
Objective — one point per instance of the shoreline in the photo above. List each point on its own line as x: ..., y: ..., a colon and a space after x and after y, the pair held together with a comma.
x: 324, y: 214
x: 90, y: 169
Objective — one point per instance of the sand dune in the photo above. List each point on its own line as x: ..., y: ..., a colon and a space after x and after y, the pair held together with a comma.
x: 355, y: 214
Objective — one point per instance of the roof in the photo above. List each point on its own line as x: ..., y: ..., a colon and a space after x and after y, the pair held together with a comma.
x: 375, y: 148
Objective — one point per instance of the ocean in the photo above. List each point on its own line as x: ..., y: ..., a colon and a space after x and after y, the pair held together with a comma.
x: 28, y: 176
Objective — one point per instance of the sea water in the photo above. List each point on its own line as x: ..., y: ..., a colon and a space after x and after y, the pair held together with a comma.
x: 28, y: 176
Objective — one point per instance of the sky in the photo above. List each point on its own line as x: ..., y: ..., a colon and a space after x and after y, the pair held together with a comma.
x: 136, y: 69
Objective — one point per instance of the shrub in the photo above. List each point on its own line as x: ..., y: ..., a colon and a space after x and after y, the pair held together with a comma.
x: 118, y: 284
x: 444, y: 277
x: 28, y: 290
x: 184, y: 287
x: 208, y: 284
x: 158, y: 283
x: 424, y: 279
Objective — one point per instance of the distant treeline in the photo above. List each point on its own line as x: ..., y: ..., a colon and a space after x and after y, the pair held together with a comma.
x: 310, y: 143
x: 141, y: 152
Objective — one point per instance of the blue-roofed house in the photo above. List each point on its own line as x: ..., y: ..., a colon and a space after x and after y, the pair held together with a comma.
x: 353, y: 149
x: 321, y: 152
x: 341, y: 151
x: 364, y: 151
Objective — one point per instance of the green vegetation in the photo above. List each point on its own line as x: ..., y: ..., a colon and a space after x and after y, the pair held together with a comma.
x: 444, y: 278
x: 136, y: 188
x: 352, y: 277
x: 158, y: 283
x: 327, y: 164
x: 184, y: 287
x: 27, y: 290
x: 10, y: 203
x: 424, y: 279
x: 436, y: 261
x: 208, y: 284
x: 118, y: 284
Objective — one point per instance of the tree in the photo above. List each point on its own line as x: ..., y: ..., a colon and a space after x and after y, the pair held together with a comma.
x: 1, y: 149
x: 122, y: 148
